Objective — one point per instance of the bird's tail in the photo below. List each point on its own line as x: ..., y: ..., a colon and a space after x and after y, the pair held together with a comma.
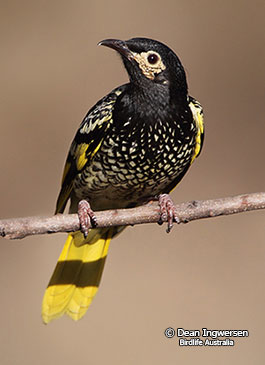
x: 77, y: 275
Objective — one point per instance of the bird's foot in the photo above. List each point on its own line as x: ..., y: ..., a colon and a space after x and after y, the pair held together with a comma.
x: 168, y: 211
x: 86, y: 214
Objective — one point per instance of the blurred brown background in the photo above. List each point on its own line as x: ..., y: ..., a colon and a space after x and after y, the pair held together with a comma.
x: 209, y: 273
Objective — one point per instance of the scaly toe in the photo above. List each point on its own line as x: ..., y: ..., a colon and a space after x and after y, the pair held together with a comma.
x: 168, y: 211
x: 86, y: 216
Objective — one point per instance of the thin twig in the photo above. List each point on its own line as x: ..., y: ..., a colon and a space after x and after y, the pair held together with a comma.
x: 22, y: 227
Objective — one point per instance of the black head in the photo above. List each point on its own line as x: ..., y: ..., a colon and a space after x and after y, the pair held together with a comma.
x: 151, y: 64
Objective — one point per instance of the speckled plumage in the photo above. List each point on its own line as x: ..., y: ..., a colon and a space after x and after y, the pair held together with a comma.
x: 133, y: 145
x: 138, y: 158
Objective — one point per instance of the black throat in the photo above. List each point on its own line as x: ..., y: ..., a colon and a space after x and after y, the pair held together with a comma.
x: 150, y: 104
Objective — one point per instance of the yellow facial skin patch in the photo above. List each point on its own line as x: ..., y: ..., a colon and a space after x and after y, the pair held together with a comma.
x: 149, y: 70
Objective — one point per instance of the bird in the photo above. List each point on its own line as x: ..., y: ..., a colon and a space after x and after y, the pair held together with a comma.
x: 133, y: 146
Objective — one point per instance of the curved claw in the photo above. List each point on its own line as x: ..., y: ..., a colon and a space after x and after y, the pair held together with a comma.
x: 86, y: 214
x: 168, y: 211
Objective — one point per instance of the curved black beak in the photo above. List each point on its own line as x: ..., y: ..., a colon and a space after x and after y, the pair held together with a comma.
x: 119, y: 46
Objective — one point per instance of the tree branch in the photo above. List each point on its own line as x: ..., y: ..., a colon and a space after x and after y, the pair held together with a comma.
x: 22, y: 227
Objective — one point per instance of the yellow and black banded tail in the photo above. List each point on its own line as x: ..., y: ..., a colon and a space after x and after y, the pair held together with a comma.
x: 77, y: 275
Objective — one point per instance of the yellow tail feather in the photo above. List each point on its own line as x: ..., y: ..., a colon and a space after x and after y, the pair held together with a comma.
x: 77, y: 275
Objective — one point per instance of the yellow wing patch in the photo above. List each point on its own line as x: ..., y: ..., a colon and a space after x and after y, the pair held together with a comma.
x: 197, y: 113
x: 86, y: 143
x: 80, y: 155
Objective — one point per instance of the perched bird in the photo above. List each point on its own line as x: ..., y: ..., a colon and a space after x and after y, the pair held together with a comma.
x: 133, y: 146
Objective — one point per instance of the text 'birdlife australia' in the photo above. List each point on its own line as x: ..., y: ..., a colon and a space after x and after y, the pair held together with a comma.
x: 205, y: 337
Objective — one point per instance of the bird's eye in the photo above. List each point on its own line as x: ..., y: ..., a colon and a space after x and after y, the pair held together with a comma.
x: 152, y: 58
